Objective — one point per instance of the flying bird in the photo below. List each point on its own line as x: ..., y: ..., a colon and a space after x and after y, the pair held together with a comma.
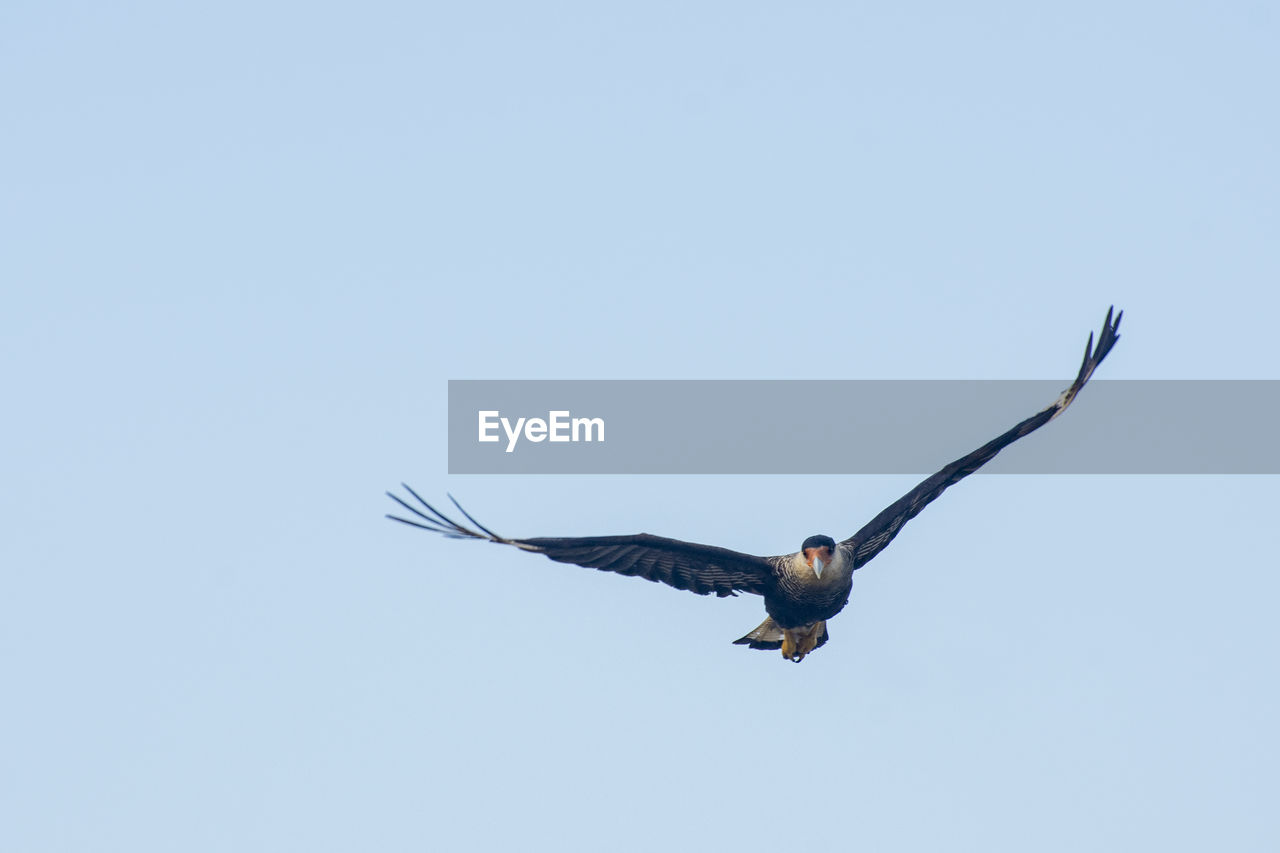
x: 802, y: 590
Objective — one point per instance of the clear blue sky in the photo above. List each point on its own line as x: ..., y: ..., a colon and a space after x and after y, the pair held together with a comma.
x: 245, y: 245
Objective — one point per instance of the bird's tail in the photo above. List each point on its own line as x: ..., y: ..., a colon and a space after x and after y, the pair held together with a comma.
x: 768, y: 635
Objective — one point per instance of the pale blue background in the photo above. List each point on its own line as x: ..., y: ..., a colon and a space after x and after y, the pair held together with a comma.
x: 245, y: 245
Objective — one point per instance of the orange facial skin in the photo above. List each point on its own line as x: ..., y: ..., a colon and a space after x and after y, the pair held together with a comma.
x: 823, y: 554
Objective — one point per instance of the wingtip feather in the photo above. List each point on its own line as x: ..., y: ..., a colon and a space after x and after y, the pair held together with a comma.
x: 492, y: 535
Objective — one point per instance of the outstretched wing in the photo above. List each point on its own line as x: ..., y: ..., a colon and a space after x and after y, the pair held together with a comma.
x: 703, y: 569
x: 879, y: 532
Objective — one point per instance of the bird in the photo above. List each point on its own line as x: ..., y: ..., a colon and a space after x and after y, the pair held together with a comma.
x: 801, y: 591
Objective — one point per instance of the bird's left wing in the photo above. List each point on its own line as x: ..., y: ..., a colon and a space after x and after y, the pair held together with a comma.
x: 703, y: 569
x: 876, y: 535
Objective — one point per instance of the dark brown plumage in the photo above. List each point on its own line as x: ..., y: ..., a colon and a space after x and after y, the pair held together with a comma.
x: 801, y: 590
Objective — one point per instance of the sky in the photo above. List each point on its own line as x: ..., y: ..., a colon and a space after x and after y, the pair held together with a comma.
x: 245, y: 246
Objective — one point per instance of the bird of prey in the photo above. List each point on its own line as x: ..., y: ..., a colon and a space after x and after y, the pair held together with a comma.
x: 802, y: 590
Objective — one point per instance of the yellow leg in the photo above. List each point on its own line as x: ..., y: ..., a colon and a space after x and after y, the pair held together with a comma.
x: 810, y: 640
x: 799, y: 642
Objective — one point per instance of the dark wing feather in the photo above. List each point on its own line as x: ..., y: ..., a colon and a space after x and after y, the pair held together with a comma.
x: 875, y: 536
x: 703, y: 569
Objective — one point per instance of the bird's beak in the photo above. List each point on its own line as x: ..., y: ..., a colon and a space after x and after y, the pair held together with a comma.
x: 818, y: 566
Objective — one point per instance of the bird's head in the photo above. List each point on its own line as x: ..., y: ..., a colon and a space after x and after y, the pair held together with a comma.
x: 817, y: 551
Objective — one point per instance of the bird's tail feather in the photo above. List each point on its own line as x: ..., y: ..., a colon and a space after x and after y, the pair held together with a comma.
x: 767, y: 635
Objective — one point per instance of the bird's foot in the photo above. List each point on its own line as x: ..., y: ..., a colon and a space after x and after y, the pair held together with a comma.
x: 798, y: 642
x: 793, y: 646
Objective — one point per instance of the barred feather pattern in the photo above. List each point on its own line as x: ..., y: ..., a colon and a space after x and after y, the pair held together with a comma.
x: 704, y: 569
x: 876, y: 535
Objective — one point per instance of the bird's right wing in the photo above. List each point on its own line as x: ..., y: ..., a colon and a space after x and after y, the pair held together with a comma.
x: 876, y: 535
x: 703, y: 569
